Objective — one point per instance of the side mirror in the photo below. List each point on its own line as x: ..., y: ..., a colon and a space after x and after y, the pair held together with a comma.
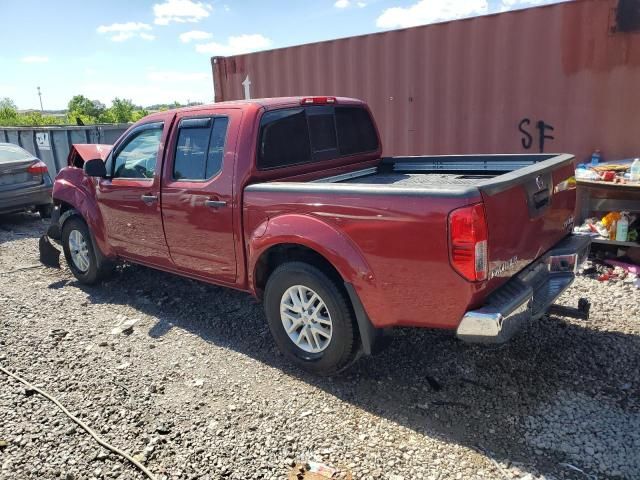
x: 95, y: 168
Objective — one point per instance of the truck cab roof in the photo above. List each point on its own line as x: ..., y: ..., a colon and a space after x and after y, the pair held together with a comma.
x: 266, y: 103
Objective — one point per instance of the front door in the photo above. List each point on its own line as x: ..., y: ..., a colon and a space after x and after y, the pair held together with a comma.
x: 129, y: 199
x: 197, y: 194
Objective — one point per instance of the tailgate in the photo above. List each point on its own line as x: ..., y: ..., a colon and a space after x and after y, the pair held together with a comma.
x: 528, y: 211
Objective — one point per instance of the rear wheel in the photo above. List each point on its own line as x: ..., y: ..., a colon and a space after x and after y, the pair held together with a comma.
x: 310, y: 318
x: 79, y: 252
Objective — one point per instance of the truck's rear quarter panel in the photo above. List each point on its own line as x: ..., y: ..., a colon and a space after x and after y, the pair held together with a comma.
x: 403, y: 239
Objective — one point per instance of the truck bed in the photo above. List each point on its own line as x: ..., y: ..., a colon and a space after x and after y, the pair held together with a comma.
x: 419, y: 179
x: 440, y: 172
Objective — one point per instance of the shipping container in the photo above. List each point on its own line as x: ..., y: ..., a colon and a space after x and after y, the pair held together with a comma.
x: 557, y: 78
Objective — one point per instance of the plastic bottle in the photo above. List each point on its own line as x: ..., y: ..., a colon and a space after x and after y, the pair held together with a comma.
x: 595, y: 158
x: 635, y: 170
x: 622, y: 229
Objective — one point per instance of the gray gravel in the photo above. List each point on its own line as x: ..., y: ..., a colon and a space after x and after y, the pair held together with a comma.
x: 186, y: 377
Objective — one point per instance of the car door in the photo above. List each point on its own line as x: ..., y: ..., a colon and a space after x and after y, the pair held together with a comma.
x: 129, y: 199
x: 197, y: 194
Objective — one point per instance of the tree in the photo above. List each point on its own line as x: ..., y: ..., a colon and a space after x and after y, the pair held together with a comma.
x: 138, y: 114
x: 8, y: 111
x: 122, y: 110
x: 84, y: 109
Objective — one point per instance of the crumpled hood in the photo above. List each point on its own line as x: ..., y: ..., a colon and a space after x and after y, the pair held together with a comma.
x: 81, y: 152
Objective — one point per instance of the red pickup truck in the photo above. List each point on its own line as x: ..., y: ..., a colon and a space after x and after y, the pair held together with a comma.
x: 289, y: 199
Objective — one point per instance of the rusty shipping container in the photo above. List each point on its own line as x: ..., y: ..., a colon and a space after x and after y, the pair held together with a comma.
x: 557, y: 78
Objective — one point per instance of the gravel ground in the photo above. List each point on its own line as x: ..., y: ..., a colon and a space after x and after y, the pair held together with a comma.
x: 198, y: 390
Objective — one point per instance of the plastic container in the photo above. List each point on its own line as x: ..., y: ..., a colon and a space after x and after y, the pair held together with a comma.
x: 581, y: 171
x: 634, y: 173
x: 595, y: 158
x: 622, y: 228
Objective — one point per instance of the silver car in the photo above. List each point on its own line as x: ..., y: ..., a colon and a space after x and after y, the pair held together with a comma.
x: 25, y: 183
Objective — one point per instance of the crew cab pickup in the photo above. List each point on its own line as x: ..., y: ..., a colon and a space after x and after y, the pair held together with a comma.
x: 289, y: 199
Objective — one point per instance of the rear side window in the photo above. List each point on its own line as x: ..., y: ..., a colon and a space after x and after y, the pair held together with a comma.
x: 356, y: 133
x: 284, y: 138
x: 200, y: 148
x: 295, y: 136
x: 10, y: 153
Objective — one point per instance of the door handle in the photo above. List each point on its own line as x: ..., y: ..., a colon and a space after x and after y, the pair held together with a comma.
x: 215, y: 203
x: 149, y: 199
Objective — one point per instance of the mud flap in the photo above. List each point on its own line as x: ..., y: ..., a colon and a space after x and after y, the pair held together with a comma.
x: 49, y: 255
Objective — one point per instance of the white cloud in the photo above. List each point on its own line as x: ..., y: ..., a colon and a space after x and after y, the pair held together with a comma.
x: 34, y: 59
x: 342, y: 3
x: 236, y: 45
x: 430, y: 11
x: 186, y: 37
x: 516, y: 4
x: 119, y: 32
x: 180, y: 11
x: 176, y: 76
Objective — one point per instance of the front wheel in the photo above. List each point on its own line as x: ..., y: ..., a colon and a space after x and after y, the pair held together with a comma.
x: 310, y: 318
x: 79, y: 252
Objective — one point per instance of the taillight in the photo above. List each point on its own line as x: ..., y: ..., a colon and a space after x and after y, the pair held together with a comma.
x: 317, y: 100
x: 38, y: 168
x: 468, y: 242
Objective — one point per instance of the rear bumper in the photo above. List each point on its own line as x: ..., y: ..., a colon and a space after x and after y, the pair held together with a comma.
x: 526, y: 296
x: 22, y: 199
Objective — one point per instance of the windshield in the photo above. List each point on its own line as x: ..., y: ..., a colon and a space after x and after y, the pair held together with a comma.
x: 10, y: 153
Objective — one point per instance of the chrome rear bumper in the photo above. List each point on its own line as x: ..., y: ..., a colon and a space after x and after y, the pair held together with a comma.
x: 526, y: 296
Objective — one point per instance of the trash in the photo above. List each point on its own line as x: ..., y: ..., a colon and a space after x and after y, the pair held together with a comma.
x: 576, y: 469
x: 306, y: 413
x: 125, y: 327
x: 629, y: 267
x: 49, y: 255
x: 163, y: 428
x: 635, y: 171
x: 313, y: 471
x: 198, y: 382
x: 3, y: 443
x: 622, y: 229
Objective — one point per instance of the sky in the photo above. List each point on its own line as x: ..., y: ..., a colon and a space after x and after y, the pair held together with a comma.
x: 159, y: 51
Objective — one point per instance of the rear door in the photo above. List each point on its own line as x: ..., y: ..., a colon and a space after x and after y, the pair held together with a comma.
x: 198, y: 206
x: 528, y: 211
x: 129, y: 199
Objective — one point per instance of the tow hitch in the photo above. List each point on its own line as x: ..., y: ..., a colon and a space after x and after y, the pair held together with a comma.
x: 49, y: 255
x: 580, y: 313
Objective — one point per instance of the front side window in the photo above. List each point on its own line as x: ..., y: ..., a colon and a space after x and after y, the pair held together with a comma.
x: 294, y: 136
x: 137, y: 159
x: 200, y: 148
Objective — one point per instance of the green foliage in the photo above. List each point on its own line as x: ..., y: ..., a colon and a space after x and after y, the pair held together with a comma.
x: 81, y: 111
x: 138, y: 114
x: 8, y: 111
x: 85, y: 110
x: 9, y: 116
x: 122, y: 110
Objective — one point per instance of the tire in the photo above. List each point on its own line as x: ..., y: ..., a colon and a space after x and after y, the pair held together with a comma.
x: 76, y: 238
x: 326, y: 348
x: 45, y: 211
